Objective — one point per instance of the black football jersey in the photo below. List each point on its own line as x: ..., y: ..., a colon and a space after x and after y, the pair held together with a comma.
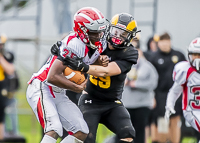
x: 111, y: 87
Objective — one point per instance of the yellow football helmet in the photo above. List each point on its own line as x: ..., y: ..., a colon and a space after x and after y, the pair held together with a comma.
x: 122, y: 30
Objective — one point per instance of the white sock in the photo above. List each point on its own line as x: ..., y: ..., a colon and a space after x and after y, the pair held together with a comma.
x: 71, y: 139
x: 48, y: 139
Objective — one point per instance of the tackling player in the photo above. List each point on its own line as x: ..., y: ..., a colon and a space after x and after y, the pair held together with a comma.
x: 101, y: 101
x: 46, y: 90
x: 186, y: 76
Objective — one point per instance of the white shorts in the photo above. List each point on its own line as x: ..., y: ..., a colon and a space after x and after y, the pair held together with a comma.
x: 193, y: 118
x: 54, y: 110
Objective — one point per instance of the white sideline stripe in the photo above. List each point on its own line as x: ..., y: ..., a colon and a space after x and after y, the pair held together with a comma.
x: 70, y: 75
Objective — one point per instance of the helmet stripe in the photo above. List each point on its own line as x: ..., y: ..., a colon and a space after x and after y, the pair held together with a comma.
x: 95, y: 10
x: 115, y: 20
x: 131, y: 25
x: 85, y: 16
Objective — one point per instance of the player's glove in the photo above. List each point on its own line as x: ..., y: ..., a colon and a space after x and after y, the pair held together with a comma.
x: 169, y: 111
x: 76, y: 63
x: 55, y: 48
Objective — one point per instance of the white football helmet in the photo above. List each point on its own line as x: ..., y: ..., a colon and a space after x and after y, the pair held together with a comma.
x: 194, y: 47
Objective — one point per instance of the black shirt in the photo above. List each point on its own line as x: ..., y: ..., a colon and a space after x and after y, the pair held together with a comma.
x: 111, y: 87
x: 164, y: 64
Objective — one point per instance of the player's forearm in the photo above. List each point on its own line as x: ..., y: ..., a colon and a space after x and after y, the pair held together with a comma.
x: 173, y: 94
x: 98, y: 71
x: 111, y: 70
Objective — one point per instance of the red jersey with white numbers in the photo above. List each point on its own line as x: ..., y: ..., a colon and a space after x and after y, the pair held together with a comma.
x: 71, y: 46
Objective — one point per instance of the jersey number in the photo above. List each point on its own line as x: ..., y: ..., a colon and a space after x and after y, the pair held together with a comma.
x: 102, y: 82
x: 195, y: 104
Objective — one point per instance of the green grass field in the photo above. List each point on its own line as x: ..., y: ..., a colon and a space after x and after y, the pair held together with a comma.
x: 31, y: 129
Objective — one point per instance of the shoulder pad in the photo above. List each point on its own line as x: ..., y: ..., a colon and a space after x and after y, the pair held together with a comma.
x: 180, y: 72
x: 130, y: 54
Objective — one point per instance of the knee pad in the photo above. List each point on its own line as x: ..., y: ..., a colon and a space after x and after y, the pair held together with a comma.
x: 126, y: 133
x: 81, y: 125
x: 55, y: 126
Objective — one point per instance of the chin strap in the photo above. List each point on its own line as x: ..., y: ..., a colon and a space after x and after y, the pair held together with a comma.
x: 97, y: 45
x: 92, y: 45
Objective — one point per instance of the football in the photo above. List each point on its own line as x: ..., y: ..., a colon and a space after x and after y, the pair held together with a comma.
x: 74, y: 76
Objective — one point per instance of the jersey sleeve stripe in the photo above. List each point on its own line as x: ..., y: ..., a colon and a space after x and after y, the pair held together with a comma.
x: 185, y: 96
x: 86, y: 50
x: 185, y: 89
x: 190, y: 71
x: 70, y: 38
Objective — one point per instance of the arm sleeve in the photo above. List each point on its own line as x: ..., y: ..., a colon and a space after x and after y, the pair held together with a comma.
x: 179, y: 77
x: 173, y: 94
x: 130, y: 57
x: 125, y: 66
x: 179, y: 73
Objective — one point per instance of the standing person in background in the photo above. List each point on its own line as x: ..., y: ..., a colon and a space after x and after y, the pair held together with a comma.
x: 138, y: 95
x: 152, y: 46
x: 164, y: 60
x: 7, y: 71
x: 186, y: 78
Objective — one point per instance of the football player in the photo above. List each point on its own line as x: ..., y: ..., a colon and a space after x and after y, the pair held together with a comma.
x: 101, y: 101
x: 46, y: 90
x: 186, y: 76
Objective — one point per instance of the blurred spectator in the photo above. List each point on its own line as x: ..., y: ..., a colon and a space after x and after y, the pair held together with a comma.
x: 138, y: 95
x: 151, y: 46
x: 8, y: 82
x: 164, y: 60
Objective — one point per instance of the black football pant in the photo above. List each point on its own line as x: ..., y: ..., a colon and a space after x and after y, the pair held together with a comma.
x: 114, y: 116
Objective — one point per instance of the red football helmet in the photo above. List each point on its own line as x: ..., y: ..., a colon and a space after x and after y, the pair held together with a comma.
x: 90, y: 25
